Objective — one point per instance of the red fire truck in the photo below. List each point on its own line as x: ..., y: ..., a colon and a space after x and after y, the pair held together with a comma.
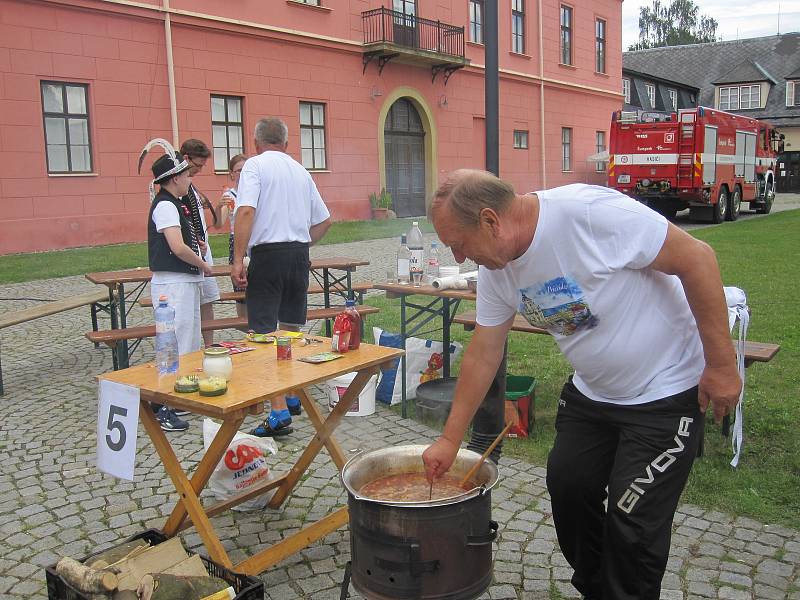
x: 703, y: 159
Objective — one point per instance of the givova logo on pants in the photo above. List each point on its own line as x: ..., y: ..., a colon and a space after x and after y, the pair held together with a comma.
x: 659, y: 464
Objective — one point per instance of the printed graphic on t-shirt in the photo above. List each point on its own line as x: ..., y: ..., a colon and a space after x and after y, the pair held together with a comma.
x: 558, y: 306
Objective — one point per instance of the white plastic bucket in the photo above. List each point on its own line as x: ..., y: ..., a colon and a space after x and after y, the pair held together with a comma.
x: 364, y: 404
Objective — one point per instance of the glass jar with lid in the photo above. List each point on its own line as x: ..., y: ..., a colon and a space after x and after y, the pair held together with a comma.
x: 217, y: 362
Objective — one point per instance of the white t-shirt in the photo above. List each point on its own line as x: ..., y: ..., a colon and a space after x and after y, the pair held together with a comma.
x: 627, y: 330
x: 285, y: 198
x: 165, y: 215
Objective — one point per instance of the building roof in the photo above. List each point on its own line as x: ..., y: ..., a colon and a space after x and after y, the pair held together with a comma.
x: 746, y: 72
x: 773, y: 58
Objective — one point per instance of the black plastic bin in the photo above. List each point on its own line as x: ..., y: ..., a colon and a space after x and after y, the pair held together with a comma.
x: 247, y: 588
x: 434, y: 399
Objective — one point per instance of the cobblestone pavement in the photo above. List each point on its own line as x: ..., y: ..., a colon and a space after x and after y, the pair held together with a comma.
x: 54, y: 502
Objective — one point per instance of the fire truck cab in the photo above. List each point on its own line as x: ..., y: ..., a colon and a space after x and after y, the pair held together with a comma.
x: 707, y: 160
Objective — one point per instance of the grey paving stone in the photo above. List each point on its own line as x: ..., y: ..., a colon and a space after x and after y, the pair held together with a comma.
x: 71, y: 508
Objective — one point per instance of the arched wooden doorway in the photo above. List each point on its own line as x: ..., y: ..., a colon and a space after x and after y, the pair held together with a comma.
x: 404, y: 144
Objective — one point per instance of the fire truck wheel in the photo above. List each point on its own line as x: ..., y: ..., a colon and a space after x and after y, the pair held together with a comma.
x: 734, y: 204
x: 763, y: 208
x: 719, y: 210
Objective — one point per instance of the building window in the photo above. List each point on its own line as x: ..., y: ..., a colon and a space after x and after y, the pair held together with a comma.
x: 476, y: 21
x: 518, y: 26
x: 566, y: 35
x: 740, y: 97
x: 793, y: 93
x: 626, y: 90
x: 651, y: 94
x: 312, y: 135
x: 520, y: 139
x: 66, y: 127
x: 673, y: 98
x: 600, y: 46
x: 311, y: 2
x: 227, y: 134
x: 566, y: 149
x: 600, y: 146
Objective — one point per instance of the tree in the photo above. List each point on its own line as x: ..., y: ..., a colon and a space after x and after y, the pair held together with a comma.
x: 674, y: 24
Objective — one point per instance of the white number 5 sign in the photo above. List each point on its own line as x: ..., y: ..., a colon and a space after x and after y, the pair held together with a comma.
x: 117, y: 420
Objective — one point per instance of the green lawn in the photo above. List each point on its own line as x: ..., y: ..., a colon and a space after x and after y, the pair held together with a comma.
x: 760, y: 256
x: 45, y: 265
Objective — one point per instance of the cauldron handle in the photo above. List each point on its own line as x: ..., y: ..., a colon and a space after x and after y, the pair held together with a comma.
x: 487, y: 538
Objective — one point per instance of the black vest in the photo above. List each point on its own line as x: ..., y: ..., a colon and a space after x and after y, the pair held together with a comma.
x: 160, y: 256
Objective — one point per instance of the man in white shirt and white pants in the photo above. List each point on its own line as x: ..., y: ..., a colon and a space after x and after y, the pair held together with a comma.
x: 280, y: 215
x: 636, y: 306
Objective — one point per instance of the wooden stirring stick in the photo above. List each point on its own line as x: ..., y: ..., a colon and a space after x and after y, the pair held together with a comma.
x: 478, y: 464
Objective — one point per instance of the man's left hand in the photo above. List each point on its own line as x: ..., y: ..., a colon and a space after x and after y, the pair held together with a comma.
x: 720, y: 387
x: 239, y: 274
x: 203, y: 247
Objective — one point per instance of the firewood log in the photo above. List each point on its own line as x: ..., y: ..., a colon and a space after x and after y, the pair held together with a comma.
x: 86, y: 579
x: 160, y: 586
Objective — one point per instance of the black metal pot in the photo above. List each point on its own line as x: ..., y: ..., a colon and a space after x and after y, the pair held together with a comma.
x: 440, y: 549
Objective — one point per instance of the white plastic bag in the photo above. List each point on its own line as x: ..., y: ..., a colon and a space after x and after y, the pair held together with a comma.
x: 424, y: 361
x: 738, y: 311
x: 243, y: 466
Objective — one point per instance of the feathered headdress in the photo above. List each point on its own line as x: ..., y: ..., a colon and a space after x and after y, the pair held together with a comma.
x: 166, y: 166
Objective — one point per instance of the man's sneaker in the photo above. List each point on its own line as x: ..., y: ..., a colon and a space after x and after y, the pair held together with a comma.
x: 294, y: 409
x: 272, y: 427
x: 169, y: 421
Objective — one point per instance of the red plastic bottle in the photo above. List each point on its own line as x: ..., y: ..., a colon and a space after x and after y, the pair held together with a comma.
x: 340, y: 341
x: 355, y: 324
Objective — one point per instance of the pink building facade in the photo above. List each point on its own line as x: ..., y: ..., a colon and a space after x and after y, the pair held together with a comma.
x: 85, y: 84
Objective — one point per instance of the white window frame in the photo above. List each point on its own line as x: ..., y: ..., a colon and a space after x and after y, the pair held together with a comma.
x: 600, y: 26
x: 600, y: 146
x: 651, y: 94
x: 310, y: 162
x: 476, y: 21
x: 731, y: 97
x: 518, y: 26
x: 792, y: 93
x: 566, y: 149
x: 228, y: 123
x: 626, y: 89
x: 68, y: 116
x: 566, y: 29
x: 521, y: 139
x: 673, y: 98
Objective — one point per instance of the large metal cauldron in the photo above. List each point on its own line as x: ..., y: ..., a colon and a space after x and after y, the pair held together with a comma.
x: 439, y: 549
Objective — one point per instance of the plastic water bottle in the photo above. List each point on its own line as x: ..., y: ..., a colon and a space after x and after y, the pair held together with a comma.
x: 166, y: 340
x: 403, y: 261
x: 433, y: 262
x: 417, y: 247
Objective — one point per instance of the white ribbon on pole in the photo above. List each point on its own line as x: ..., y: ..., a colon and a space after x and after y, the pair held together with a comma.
x: 738, y: 311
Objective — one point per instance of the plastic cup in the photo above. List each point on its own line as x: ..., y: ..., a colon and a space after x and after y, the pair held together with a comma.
x: 390, y: 276
x: 417, y: 278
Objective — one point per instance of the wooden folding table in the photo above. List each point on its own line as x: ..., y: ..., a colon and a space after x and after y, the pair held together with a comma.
x: 257, y: 377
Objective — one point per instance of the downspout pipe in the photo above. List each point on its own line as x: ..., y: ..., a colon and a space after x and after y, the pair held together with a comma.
x: 173, y: 104
x: 489, y: 418
x: 542, y: 145
x: 492, y: 89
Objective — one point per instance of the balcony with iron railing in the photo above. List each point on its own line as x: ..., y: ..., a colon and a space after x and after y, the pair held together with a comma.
x: 393, y: 35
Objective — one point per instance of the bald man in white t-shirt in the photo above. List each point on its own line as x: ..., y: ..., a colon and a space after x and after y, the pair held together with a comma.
x: 637, y: 307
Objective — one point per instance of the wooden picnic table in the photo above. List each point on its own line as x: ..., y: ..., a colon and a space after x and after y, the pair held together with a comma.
x: 328, y: 272
x: 415, y: 316
x: 257, y: 377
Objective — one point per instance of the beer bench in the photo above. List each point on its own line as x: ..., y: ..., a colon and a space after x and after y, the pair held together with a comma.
x: 357, y: 288
x: 753, y: 351
x: 94, y: 299
x: 112, y: 337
